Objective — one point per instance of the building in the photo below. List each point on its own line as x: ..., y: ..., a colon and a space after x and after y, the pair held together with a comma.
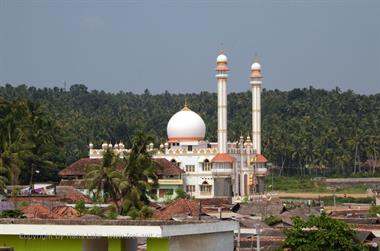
x: 115, y: 235
x: 170, y: 177
x: 212, y: 169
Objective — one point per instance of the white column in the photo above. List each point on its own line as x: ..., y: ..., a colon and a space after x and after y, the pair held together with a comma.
x: 256, y: 81
x: 222, y: 113
x: 256, y: 114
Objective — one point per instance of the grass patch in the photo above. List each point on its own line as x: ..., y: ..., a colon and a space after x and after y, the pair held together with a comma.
x: 329, y: 200
x: 306, y: 185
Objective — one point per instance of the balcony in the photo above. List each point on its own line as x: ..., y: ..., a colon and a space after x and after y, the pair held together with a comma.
x: 221, y: 171
x: 170, y: 182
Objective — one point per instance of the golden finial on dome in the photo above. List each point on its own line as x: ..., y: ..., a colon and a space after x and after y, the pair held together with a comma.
x: 185, y: 107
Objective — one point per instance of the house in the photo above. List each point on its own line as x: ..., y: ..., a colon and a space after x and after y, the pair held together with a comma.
x: 169, y: 176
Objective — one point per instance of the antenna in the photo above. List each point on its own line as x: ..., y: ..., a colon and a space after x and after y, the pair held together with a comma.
x: 256, y: 57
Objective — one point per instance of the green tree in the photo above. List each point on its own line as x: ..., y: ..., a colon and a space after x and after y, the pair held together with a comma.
x: 139, y: 178
x: 104, y: 179
x: 321, y: 233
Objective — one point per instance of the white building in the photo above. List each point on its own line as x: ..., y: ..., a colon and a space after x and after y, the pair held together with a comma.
x: 220, y: 169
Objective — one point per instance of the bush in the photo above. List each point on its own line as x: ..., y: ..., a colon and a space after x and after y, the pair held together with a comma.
x: 80, y: 207
x: 111, y: 213
x: 374, y: 210
x: 271, y: 220
x: 95, y: 210
x: 181, y: 194
x: 146, y: 212
x: 133, y: 213
x: 12, y: 214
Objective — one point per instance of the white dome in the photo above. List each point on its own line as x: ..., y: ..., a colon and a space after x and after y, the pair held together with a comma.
x: 186, y: 125
x: 256, y: 66
x: 221, y: 59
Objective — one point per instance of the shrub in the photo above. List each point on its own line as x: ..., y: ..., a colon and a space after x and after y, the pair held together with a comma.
x: 95, y: 210
x: 271, y: 220
x: 133, y: 212
x: 12, y: 214
x: 80, y: 207
x: 374, y: 210
x: 181, y: 194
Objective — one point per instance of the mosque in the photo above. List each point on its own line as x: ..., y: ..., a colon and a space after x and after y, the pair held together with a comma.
x: 211, y: 169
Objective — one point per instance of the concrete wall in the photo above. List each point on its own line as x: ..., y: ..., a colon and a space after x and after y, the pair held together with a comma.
x: 222, y: 187
x: 19, y: 244
x: 223, y: 241
x: 68, y: 244
x: 157, y: 244
x: 99, y: 244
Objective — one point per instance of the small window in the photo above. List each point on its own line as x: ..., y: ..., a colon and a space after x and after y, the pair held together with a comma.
x: 190, y: 188
x: 190, y: 148
x: 205, y: 188
x: 206, y: 165
x: 190, y: 168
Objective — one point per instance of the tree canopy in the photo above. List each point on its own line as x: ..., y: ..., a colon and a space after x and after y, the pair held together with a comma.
x: 321, y: 233
x: 305, y: 131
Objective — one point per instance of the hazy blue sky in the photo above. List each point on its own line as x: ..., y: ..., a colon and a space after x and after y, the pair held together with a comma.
x: 172, y: 45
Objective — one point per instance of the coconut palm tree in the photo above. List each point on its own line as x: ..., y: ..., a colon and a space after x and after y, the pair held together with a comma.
x: 104, y: 179
x: 139, y: 176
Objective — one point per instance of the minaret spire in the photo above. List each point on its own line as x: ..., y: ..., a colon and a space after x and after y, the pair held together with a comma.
x: 256, y: 81
x: 221, y: 77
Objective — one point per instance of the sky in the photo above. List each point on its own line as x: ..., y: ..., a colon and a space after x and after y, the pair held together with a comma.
x: 172, y: 45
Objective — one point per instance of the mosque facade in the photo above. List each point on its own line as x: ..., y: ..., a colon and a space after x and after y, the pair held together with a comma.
x: 212, y: 169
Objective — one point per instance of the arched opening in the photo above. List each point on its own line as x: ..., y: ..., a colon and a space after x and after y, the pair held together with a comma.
x: 245, y: 184
x: 206, y: 165
x: 175, y: 162
x: 205, y: 188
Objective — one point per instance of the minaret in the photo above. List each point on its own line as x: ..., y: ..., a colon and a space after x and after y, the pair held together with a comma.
x: 221, y: 77
x: 256, y: 80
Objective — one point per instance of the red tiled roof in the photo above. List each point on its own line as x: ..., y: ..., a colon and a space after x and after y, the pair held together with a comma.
x: 78, y: 168
x: 66, y: 212
x: 223, y: 157
x: 216, y: 202
x: 167, y: 168
x: 71, y: 195
x: 179, y: 207
x: 77, y: 184
x: 39, y: 211
x: 261, y: 159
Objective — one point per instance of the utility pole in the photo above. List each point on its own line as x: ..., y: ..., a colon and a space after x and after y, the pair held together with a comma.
x: 257, y: 237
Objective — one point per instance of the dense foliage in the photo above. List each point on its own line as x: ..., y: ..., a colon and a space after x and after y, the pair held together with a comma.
x: 321, y: 233
x: 12, y: 214
x: 29, y: 142
x: 127, y: 181
x: 305, y: 131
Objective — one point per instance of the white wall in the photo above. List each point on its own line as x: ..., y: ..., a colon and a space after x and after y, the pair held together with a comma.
x: 223, y: 241
x: 99, y: 244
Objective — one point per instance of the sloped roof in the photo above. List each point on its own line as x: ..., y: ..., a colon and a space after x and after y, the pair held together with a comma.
x: 260, y: 159
x: 39, y: 211
x: 71, y: 195
x: 77, y: 184
x: 167, y: 168
x: 222, y: 158
x: 78, y: 168
x: 178, y: 208
x: 66, y: 212
x: 260, y: 208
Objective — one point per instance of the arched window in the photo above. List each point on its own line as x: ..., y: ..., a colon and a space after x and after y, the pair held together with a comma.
x: 175, y: 162
x: 205, y: 188
x: 206, y: 165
